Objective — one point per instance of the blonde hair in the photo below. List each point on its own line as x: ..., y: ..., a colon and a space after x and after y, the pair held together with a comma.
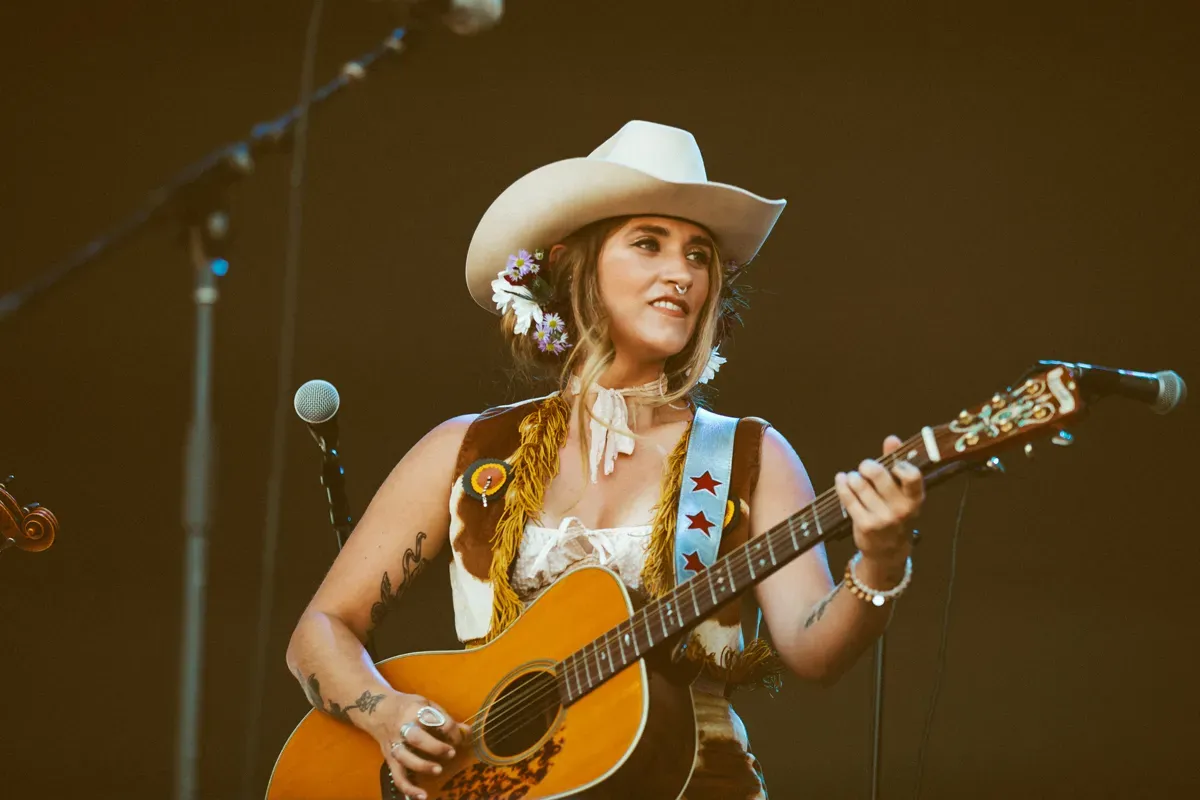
x: 574, y: 281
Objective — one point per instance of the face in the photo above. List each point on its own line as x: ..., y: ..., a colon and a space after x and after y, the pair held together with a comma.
x: 640, y: 270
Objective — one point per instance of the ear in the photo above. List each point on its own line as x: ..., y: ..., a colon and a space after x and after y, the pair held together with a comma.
x: 555, y: 252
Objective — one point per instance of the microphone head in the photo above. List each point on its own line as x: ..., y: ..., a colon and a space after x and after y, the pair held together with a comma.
x: 1172, y: 391
x: 469, y: 17
x: 316, y: 402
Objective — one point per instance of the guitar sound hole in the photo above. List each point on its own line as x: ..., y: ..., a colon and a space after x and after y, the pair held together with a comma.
x: 521, y: 714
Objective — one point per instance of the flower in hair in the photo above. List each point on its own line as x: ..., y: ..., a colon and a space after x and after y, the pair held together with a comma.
x: 715, y: 360
x: 525, y: 308
x: 551, y: 337
x: 520, y: 287
x: 521, y: 264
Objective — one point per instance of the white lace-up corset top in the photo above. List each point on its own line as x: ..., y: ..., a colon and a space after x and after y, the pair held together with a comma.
x: 546, y: 553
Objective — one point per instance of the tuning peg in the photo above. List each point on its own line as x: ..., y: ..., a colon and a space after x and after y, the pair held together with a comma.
x: 994, y: 466
x: 1063, y: 439
x: 1029, y: 450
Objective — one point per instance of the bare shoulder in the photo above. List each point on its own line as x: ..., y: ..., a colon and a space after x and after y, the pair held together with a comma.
x: 783, y: 483
x: 778, y: 455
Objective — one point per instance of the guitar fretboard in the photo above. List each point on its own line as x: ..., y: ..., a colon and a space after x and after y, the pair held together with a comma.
x: 696, y: 598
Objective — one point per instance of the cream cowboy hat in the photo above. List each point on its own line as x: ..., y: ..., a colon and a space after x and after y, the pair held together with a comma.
x: 644, y: 169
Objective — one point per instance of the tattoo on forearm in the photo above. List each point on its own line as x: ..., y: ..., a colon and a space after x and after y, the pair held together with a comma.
x: 818, y: 610
x: 389, y: 596
x: 365, y: 703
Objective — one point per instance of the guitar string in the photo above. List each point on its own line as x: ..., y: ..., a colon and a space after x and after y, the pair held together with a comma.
x: 739, y: 559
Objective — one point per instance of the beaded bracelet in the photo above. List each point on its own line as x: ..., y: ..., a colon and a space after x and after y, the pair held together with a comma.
x: 874, y: 596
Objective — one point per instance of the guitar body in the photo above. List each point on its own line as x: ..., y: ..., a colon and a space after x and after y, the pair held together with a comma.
x: 633, y: 736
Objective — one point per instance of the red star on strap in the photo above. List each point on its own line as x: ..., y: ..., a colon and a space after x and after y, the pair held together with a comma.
x: 693, y: 562
x: 706, y: 483
x: 699, y: 523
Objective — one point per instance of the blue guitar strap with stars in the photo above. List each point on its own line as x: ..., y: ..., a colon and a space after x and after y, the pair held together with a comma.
x: 704, y: 493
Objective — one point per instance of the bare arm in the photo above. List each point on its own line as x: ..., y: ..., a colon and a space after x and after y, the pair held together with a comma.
x: 819, y: 629
x: 403, y: 528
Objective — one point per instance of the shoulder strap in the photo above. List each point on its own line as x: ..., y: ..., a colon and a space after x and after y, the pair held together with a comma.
x: 704, y: 493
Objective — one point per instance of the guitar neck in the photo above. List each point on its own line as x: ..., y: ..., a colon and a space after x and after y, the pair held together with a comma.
x: 690, y: 602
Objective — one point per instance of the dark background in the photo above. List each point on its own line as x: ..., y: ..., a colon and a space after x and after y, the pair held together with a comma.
x: 970, y: 191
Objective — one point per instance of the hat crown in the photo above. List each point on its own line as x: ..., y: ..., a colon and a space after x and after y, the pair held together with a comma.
x: 669, y: 154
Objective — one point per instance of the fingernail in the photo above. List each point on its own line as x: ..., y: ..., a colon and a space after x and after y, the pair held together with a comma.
x: 451, y: 753
x: 437, y: 769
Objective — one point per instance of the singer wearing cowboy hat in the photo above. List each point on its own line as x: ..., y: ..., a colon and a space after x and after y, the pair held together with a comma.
x: 618, y: 275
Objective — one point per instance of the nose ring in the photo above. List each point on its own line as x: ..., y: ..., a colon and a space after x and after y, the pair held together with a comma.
x: 681, y: 289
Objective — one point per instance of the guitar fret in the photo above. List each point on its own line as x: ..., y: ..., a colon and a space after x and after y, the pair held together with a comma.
x: 612, y: 670
x: 662, y: 620
x: 817, y: 519
x: 792, y: 531
x: 712, y: 589
x: 750, y: 564
x: 695, y: 605
x: 621, y: 643
x: 575, y: 673
x: 599, y: 661
x: 587, y: 670
x: 771, y: 551
x: 729, y: 570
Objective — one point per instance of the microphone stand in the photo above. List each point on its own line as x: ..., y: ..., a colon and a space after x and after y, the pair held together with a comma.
x: 877, y: 717
x: 197, y: 199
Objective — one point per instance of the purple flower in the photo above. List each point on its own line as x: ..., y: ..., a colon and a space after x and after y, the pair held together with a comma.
x: 522, y: 264
x: 542, y: 337
x: 558, y: 344
x: 553, y: 323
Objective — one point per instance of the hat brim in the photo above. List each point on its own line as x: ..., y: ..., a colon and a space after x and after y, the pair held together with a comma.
x: 546, y: 205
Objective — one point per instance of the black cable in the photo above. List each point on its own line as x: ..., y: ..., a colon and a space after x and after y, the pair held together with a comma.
x: 941, y: 657
x: 287, y: 351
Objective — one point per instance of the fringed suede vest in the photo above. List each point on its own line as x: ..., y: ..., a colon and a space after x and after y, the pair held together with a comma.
x: 508, y: 457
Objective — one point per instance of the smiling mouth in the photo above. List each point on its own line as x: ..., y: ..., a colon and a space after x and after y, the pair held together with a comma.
x: 669, y: 308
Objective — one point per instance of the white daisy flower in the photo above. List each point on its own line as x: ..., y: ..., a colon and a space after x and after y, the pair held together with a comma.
x: 715, y: 360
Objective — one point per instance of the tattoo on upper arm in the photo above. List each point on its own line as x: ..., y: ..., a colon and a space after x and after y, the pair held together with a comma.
x: 818, y: 610
x: 413, y: 564
x: 365, y: 703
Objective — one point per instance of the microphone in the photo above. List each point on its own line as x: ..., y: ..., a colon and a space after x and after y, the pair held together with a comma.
x: 464, y: 17
x: 1163, y: 391
x: 317, y: 403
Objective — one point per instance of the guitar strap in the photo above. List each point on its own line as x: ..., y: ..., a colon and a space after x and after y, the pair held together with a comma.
x: 704, y: 493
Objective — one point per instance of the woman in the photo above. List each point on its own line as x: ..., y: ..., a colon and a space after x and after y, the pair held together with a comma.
x: 627, y: 304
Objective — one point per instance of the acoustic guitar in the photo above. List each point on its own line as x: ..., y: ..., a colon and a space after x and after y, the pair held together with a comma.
x: 582, y: 696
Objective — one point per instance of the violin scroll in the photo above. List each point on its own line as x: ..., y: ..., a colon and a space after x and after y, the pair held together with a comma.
x: 31, y: 527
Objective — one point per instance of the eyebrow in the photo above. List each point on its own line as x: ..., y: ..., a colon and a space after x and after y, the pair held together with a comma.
x: 658, y: 230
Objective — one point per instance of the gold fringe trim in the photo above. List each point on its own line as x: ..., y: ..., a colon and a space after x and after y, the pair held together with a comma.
x: 658, y: 570
x: 535, y: 465
x: 757, y: 665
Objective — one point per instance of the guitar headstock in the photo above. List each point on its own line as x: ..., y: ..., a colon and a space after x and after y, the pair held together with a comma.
x: 1045, y: 400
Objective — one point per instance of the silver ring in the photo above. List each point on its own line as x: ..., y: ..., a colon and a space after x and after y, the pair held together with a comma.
x: 430, y: 717
x: 392, y: 749
x: 404, y: 729
x: 682, y: 289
